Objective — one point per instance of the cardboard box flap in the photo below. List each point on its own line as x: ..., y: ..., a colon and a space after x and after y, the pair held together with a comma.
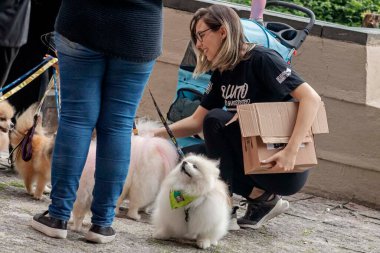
x: 320, y: 125
x: 249, y: 125
x: 275, y: 119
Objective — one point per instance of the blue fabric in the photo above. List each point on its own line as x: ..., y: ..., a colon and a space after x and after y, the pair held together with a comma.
x: 102, y: 92
x: 258, y: 34
x: 186, y: 80
x: 188, y: 141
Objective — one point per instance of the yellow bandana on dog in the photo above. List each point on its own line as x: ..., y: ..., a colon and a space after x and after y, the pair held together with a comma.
x: 178, y: 199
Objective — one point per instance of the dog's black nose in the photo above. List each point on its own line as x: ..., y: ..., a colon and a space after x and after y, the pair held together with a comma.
x: 183, y: 168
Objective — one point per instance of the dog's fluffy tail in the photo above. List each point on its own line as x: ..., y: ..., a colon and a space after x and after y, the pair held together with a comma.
x: 145, y: 126
x: 23, y: 123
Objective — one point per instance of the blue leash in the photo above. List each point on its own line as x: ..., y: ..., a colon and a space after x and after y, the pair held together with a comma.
x: 56, y: 93
x: 24, y: 76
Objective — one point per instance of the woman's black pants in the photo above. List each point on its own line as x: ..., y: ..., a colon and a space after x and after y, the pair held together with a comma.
x: 224, y: 143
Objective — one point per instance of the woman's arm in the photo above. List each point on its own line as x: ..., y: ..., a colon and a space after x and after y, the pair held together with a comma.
x: 309, y: 102
x: 187, y: 126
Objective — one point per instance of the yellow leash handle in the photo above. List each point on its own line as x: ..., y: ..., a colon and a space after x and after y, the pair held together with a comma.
x: 29, y: 79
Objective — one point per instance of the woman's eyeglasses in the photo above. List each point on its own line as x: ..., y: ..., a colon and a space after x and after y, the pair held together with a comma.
x: 199, y: 35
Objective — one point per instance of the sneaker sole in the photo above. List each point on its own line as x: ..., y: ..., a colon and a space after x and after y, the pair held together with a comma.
x: 52, y: 232
x: 98, y: 238
x: 280, y: 207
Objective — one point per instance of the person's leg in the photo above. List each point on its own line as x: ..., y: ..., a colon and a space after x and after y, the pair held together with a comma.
x: 257, y: 10
x: 7, y: 57
x: 82, y: 71
x: 224, y: 143
x: 122, y: 90
x: 260, y: 190
x: 264, y: 202
x: 284, y: 184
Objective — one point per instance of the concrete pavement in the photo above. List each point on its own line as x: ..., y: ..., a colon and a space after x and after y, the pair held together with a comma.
x: 312, y: 224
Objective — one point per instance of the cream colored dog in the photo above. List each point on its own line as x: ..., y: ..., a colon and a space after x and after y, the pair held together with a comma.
x: 193, y: 203
x: 38, y: 168
x: 6, y: 114
x: 151, y: 160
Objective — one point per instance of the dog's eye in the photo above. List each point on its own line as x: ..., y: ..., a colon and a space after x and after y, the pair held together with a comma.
x: 3, y: 119
x: 195, y: 166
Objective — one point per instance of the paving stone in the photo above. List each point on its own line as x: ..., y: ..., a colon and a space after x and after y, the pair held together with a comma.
x: 312, y: 224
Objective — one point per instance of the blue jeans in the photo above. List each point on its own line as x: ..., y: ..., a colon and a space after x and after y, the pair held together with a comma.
x: 96, y: 91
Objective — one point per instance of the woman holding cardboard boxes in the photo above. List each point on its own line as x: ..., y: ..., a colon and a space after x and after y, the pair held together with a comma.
x: 245, y: 73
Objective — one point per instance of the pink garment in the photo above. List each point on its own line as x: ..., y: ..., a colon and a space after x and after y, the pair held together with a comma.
x: 257, y: 9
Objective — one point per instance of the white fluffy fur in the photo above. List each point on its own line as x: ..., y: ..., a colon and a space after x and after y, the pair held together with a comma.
x: 6, y: 114
x: 209, y: 214
x: 151, y: 160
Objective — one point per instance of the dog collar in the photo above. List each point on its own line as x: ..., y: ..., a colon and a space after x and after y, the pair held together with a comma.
x: 179, y: 199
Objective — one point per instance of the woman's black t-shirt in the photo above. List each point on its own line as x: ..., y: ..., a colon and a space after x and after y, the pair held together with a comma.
x: 263, y: 77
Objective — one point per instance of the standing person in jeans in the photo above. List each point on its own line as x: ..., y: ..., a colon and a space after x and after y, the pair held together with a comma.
x: 14, y: 26
x: 244, y: 73
x: 106, y: 52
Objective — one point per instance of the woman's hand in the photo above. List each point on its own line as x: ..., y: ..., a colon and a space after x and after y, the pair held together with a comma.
x: 282, y: 160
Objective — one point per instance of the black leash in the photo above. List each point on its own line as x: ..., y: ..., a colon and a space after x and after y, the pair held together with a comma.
x: 174, y: 140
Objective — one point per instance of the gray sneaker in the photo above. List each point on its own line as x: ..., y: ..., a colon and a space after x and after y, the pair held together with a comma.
x: 99, y: 234
x: 49, y: 226
x: 261, y: 210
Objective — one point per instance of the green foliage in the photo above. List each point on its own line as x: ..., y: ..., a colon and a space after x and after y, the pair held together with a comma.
x: 345, y: 12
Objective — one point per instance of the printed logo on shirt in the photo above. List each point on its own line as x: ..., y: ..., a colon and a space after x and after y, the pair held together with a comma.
x: 285, y: 74
x: 235, y: 94
x: 209, y: 88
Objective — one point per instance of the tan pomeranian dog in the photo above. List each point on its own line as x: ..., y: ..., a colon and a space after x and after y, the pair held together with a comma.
x: 193, y: 203
x: 152, y: 158
x: 37, y: 169
x: 6, y: 114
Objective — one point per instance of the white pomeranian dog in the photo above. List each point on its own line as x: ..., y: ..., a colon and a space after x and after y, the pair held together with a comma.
x: 152, y: 158
x: 193, y: 203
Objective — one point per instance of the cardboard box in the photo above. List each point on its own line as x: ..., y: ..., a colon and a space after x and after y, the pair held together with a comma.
x: 267, y: 127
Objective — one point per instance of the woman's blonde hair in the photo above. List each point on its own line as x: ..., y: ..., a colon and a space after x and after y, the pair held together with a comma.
x: 231, y: 50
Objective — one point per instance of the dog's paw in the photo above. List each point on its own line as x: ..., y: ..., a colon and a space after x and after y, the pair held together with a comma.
x: 203, y: 243
x: 47, y: 190
x: 75, y: 227
x: 214, y: 243
x: 161, y: 235
x: 148, y: 210
x: 134, y: 215
x: 37, y: 196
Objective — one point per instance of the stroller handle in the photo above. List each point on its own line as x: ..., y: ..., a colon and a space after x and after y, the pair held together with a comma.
x: 293, y: 6
x: 290, y: 37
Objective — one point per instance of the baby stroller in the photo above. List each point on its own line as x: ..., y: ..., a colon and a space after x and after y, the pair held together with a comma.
x: 280, y: 37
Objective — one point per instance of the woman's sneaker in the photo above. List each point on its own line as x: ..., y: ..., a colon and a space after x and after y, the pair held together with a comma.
x: 262, y: 209
x: 50, y: 226
x: 99, y: 234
